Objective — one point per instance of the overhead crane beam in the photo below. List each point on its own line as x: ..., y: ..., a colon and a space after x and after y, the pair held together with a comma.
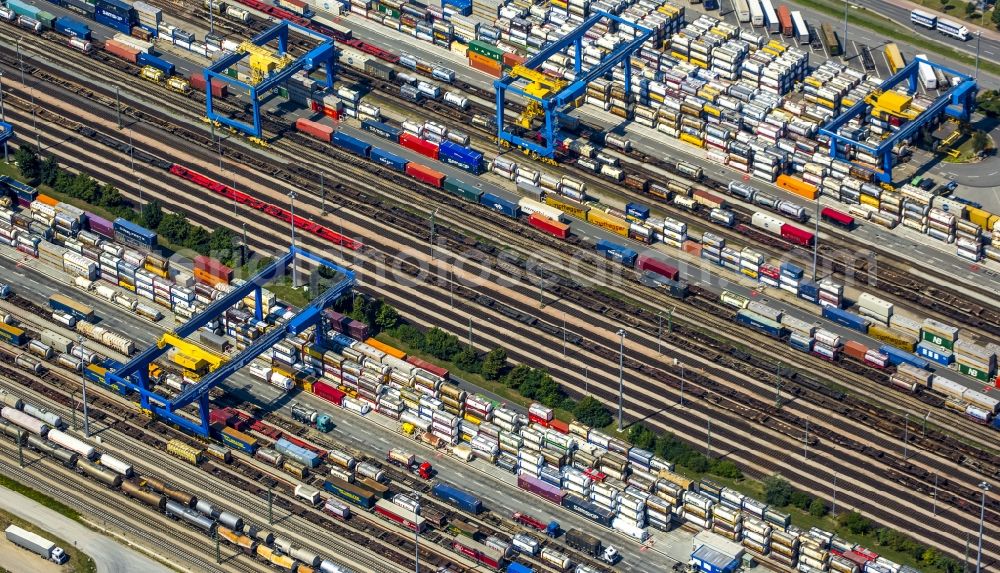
x: 323, y: 56
x: 134, y: 376
x: 958, y: 101
x: 551, y: 107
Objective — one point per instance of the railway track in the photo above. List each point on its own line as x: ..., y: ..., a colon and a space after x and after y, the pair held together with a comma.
x: 747, y: 430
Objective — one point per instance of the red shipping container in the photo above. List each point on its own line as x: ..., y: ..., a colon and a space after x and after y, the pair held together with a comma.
x: 796, y: 235
x: 648, y: 263
x: 421, y: 146
x: 124, y: 52
x: 510, y: 59
x: 785, y: 19
x: 222, y: 416
x: 327, y: 392
x: 433, y: 369
x: 331, y: 112
x: 425, y: 174
x: 213, y: 268
x: 317, y: 130
x: 559, y: 426
x: 219, y: 87
x: 538, y: 420
x: 855, y: 350
x: 551, y: 227
x: 486, y: 66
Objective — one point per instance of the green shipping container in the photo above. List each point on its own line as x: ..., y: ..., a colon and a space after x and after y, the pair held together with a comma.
x: 463, y: 190
x: 977, y: 373
x: 46, y: 19
x: 937, y: 340
x: 389, y: 11
x: 487, y: 50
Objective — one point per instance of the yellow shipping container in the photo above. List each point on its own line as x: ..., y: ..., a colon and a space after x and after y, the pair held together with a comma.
x: 558, y: 4
x: 814, y: 82
x: 679, y: 56
x: 568, y: 206
x: 982, y: 218
x: 712, y: 110
x: 776, y: 45
x: 892, y: 338
x: 675, y: 479
x: 771, y: 51
x: 750, y: 273
x: 472, y: 419
x: 699, y: 63
x: 868, y: 200
x: 179, y: 449
x: 126, y: 286
x: 696, y: 141
x: 825, y: 103
x: 307, y: 385
x: 608, y: 222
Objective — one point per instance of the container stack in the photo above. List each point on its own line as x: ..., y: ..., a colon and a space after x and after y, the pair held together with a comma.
x: 916, y: 206
x: 712, y: 247
x: 814, y: 551
x: 937, y: 342
x: 750, y: 262
x: 977, y: 361
x: 697, y: 509
x: 784, y: 548
x: 874, y: 308
x: 831, y: 294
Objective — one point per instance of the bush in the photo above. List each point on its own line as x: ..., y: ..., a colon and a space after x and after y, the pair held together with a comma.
x: 440, y: 344
x: 777, y: 491
x: 592, y: 412
x: 641, y: 437
x: 855, y: 523
x: 818, y: 508
x: 467, y: 360
x: 727, y: 469
x: 494, y: 364
x: 801, y: 500
x: 410, y: 336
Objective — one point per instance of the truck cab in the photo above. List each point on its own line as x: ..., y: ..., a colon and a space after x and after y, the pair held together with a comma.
x: 611, y: 555
x: 425, y: 470
x: 58, y: 556
x: 5, y: 291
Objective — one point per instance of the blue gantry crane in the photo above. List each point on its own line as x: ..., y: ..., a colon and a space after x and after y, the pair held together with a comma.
x: 548, y: 98
x: 958, y: 102
x: 268, y: 70
x: 134, y: 376
x: 6, y: 132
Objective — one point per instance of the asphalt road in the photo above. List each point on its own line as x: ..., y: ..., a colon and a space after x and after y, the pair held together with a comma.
x: 109, y: 555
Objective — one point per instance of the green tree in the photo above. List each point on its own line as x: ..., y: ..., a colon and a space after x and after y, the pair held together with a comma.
x: 995, y: 16
x: 359, y: 309
x: 85, y: 188
x: 466, y: 359
x: 694, y: 461
x: 440, y: 344
x: 48, y: 171
x: 386, y: 318
x: 220, y: 245
x: 800, y: 499
x: 110, y: 196
x: 592, y: 412
x: 28, y: 164
x: 970, y: 8
x: 727, y: 469
x: 855, y: 523
x: 777, y: 491
x: 818, y: 508
x: 410, y: 336
x: 980, y: 141
x: 494, y: 364
x: 152, y: 214
x: 174, y: 227
x: 196, y: 238
x: 641, y: 436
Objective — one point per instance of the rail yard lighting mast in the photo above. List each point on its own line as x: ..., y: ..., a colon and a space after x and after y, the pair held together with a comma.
x: 621, y: 377
x: 291, y: 223
x: 982, y: 514
x: 86, y: 418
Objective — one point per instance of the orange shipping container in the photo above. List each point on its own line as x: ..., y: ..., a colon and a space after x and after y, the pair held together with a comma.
x: 855, y: 350
x: 692, y: 247
x: 121, y: 50
x: 391, y: 351
x: 510, y: 60
x: 485, y: 65
x: 207, y: 278
x: 50, y: 201
x: 797, y: 186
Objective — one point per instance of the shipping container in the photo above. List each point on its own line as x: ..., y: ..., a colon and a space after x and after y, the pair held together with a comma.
x: 350, y: 143
x: 463, y: 500
x: 349, y: 492
x: 425, y: 174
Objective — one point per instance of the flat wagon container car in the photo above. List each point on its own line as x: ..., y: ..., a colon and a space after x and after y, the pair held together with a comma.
x: 461, y: 499
x: 349, y: 492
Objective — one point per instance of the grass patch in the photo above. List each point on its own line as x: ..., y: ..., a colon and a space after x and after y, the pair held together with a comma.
x: 893, y: 30
x: 40, y: 497
x: 79, y: 562
x: 284, y: 291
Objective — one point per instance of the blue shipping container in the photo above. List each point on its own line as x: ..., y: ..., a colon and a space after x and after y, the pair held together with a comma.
x: 122, y: 9
x: 935, y: 353
x: 71, y: 27
x: 383, y: 157
x: 897, y: 357
x: 588, y: 509
x: 623, y: 255
x: 79, y: 6
x: 848, y: 319
x: 500, y: 204
x: 132, y: 234
x: 761, y: 323
x: 800, y: 344
x: 637, y: 211
x: 145, y: 59
x: 112, y: 20
x: 453, y: 495
x: 461, y: 157
x: 809, y: 291
x: 303, y: 456
x: 352, y: 144
x: 234, y: 441
x: 381, y: 129
x: 515, y: 567
x: 791, y: 271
